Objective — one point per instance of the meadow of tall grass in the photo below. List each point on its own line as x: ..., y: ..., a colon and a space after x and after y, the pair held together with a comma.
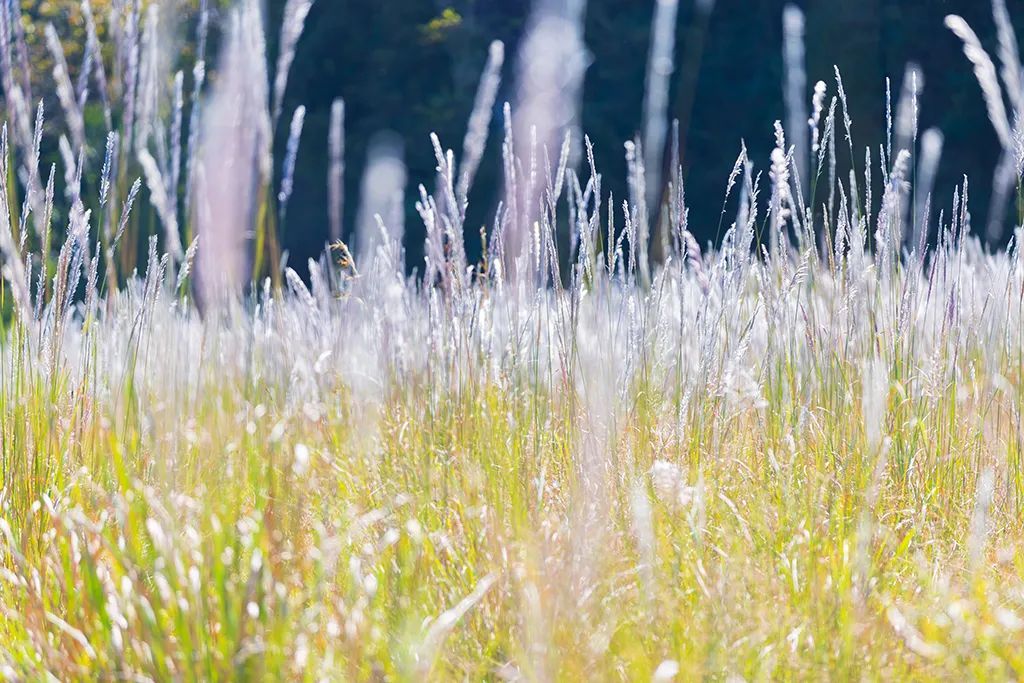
x: 600, y: 452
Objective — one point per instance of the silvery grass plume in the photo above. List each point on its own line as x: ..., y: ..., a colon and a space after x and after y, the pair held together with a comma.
x: 985, y: 72
x: 905, y: 132
x: 480, y: 120
x: 382, y: 190
x: 93, y: 67
x: 232, y: 157
x: 291, y: 156
x: 65, y: 90
x: 1009, y: 57
x: 150, y: 71
x: 928, y: 165
x: 14, y: 91
x: 163, y: 198
x: 292, y: 23
x: 795, y: 86
x: 660, y: 65
x: 1007, y: 172
x: 13, y: 267
x: 198, y: 80
x: 552, y: 60
x: 128, y: 54
x: 336, y: 169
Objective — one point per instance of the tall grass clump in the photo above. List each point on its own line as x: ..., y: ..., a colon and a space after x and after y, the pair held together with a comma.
x: 795, y: 455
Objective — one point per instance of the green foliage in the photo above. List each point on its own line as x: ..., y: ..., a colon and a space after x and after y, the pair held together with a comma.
x: 435, y: 30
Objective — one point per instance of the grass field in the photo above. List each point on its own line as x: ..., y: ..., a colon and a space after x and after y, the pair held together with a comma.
x: 600, y: 453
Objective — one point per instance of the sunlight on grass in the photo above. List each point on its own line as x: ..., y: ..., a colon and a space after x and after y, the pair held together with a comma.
x: 795, y: 456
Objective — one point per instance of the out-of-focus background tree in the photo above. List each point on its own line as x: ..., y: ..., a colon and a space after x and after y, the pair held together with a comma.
x: 411, y: 66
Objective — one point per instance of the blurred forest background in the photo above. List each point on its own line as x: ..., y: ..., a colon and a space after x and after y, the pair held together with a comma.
x: 412, y: 67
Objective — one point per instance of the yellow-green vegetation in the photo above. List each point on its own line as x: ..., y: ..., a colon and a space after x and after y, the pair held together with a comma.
x: 795, y: 456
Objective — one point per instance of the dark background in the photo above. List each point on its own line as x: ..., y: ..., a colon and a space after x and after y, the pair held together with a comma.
x: 410, y: 67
